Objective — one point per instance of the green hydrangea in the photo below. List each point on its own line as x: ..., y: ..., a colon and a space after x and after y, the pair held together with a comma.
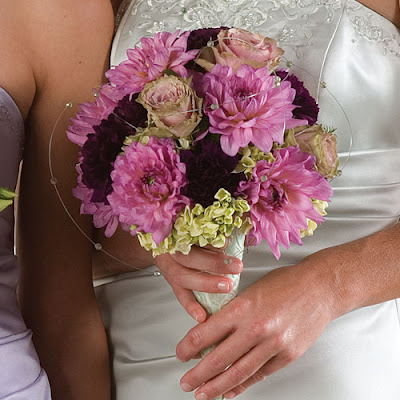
x: 250, y: 155
x: 202, y: 226
x: 321, y: 207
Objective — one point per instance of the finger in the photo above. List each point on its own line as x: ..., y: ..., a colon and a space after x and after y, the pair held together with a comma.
x: 273, y: 365
x: 238, y: 373
x: 178, y: 275
x: 217, y: 361
x: 189, y: 303
x: 206, y: 260
x: 216, y: 249
x: 202, y: 336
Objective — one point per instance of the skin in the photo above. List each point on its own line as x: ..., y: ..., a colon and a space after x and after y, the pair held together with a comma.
x: 387, y: 8
x: 58, y: 56
x: 53, y: 53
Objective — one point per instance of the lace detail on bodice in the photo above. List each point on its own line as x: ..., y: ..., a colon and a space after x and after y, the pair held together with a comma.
x: 290, y: 22
x: 293, y: 23
x: 366, y: 26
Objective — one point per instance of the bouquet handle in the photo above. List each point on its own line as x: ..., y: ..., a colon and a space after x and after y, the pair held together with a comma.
x: 213, y: 302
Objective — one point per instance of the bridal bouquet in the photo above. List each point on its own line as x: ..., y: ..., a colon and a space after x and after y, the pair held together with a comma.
x: 199, y: 138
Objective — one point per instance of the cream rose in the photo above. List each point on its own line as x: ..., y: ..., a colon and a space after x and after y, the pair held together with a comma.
x: 238, y: 46
x: 322, y: 144
x: 172, y: 105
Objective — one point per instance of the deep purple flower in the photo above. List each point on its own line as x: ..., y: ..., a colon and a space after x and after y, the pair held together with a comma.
x: 102, y: 147
x: 200, y: 37
x: 197, y: 40
x: 307, y: 107
x: 209, y: 169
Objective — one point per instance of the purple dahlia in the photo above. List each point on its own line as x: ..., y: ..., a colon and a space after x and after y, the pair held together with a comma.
x: 280, y: 194
x: 245, y: 107
x: 147, y: 183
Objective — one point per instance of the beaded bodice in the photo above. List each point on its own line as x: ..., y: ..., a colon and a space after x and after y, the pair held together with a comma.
x: 294, y: 23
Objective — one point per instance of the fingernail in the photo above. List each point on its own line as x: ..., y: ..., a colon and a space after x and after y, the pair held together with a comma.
x: 228, y: 261
x: 223, y: 286
x: 186, y: 387
x: 201, y: 396
x: 235, y: 268
x: 230, y: 395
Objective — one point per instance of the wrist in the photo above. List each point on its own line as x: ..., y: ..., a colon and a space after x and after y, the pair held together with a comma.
x: 325, y: 269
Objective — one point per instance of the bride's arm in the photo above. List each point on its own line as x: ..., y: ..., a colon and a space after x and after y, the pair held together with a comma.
x: 274, y: 321
x: 66, y: 44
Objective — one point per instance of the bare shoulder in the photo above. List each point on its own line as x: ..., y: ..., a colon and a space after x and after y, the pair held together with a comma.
x: 70, y: 39
x: 41, y: 40
x: 390, y: 9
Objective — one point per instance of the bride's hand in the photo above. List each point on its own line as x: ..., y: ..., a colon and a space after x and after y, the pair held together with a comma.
x: 272, y: 323
x: 200, y: 270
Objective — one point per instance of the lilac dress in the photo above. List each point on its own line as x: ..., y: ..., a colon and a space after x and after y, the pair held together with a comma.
x: 21, y: 377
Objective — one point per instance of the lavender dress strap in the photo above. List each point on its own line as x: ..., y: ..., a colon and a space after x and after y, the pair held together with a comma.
x: 21, y: 377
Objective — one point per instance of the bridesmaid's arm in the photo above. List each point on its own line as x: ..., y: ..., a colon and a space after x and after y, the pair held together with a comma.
x: 67, y: 44
x: 274, y: 321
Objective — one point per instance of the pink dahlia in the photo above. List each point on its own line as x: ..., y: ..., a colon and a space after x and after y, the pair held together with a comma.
x: 103, y: 215
x: 246, y: 107
x: 91, y: 114
x: 161, y: 52
x: 280, y: 194
x: 147, y: 183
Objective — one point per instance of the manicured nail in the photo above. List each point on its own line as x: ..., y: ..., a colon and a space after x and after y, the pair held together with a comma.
x: 235, y: 267
x: 186, y: 387
x: 201, y: 396
x: 223, y: 286
x: 230, y: 395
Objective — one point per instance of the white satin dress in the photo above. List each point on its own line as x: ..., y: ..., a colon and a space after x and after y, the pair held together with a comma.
x: 356, y: 52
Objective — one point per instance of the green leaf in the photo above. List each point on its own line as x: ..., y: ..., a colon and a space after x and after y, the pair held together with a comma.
x: 169, y: 72
x: 6, y: 198
x: 6, y: 194
x: 4, y: 204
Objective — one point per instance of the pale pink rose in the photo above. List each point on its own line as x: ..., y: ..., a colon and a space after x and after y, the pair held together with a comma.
x: 172, y: 105
x: 317, y: 141
x: 238, y: 46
